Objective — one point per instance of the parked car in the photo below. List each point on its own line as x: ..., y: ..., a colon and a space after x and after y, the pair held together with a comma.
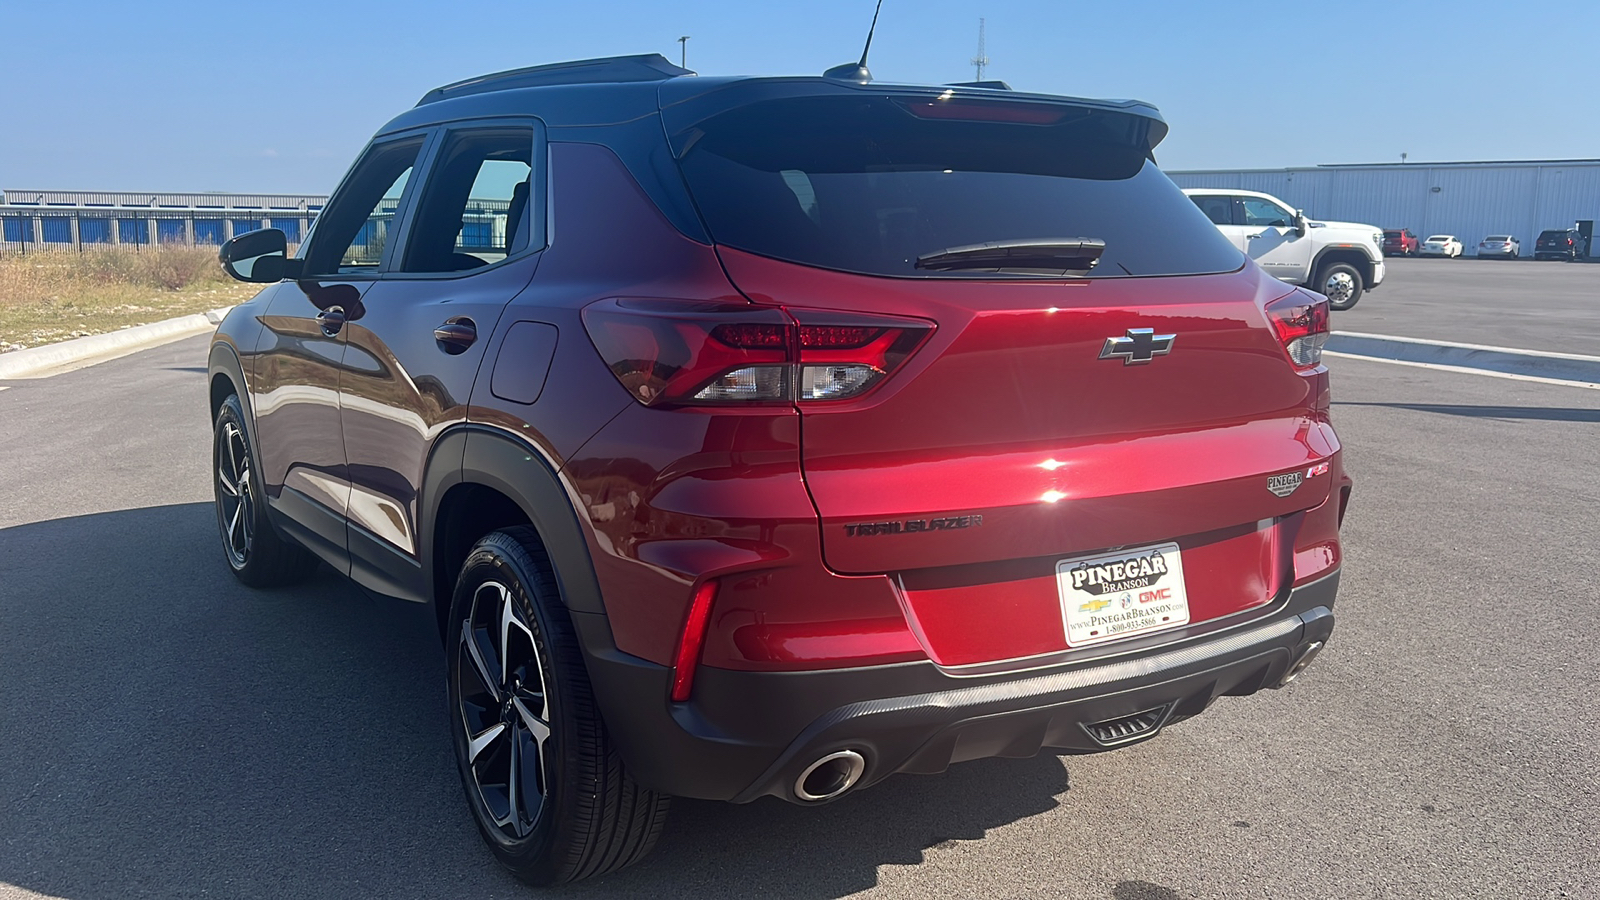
x: 1400, y: 242
x: 1442, y: 245
x: 1560, y: 243
x: 1499, y: 246
x: 726, y: 430
x: 1342, y: 260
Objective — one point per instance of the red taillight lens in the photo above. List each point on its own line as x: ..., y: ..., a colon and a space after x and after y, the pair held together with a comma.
x: 681, y: 352
x: 692, y: 641
x: 1301, y: 322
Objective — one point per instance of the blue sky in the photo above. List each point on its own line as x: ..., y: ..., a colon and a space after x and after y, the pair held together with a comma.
x: 249, y: 96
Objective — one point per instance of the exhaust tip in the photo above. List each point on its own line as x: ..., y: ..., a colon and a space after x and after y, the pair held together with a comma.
x: 830, y: 776
x: 1306, y: 656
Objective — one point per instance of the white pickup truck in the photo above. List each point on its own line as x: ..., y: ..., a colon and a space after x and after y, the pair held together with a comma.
x: 1340, y: 259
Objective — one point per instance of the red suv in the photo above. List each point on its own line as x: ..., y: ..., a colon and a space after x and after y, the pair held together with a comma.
x: 1400, y: 242
x: 770, y: 436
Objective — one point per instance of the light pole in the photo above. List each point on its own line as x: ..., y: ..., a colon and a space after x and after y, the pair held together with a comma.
x: 683, y: 57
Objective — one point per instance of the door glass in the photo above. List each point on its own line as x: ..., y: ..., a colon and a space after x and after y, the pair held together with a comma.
x: 1218, y: 208
x: 1265, y: 212
x: 352, y: 231
x: 476, y: 209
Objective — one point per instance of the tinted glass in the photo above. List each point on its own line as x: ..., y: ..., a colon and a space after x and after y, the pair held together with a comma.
x: 1217, y: 207
x: 869, y: 184
x: 475, y: 209
x: 353, y: 231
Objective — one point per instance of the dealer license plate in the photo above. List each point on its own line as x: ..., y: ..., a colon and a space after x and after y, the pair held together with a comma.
x: 1111, y: 596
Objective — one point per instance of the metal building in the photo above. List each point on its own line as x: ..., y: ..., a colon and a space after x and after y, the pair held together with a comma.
x: 43, y: 220
x: 1470, y: 200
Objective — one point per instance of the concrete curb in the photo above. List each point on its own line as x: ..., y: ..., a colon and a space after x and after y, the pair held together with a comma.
x: 36, y: 362
x: 1505, y: 360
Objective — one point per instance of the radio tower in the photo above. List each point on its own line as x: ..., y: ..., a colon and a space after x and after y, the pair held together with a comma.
x: 980, y: 60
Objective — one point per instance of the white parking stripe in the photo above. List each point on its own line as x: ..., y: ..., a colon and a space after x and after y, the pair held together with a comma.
x: 1465, y: 370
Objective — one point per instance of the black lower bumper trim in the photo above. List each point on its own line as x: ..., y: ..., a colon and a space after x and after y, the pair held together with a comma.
x: 746, y: 735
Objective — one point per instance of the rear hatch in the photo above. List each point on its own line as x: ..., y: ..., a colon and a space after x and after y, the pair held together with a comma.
x: 1058, y: 407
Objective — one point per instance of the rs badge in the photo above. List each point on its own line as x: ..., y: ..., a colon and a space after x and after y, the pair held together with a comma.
x: 1285, y: 484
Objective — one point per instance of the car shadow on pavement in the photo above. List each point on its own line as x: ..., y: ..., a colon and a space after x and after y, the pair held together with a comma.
x: 1539, y: 413
x: 166, y: 731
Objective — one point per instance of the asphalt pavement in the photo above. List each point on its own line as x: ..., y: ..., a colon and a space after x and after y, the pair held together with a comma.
x: 1530, y: 305
x: 166, y: 732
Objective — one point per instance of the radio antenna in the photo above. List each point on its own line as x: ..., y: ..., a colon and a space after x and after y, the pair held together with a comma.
x: 858, y: 71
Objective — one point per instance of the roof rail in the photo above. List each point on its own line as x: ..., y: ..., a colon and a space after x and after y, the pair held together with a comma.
x: 644, y: 67
x: 991, y: 85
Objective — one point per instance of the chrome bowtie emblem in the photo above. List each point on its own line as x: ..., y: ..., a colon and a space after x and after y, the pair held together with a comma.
x: 1139, y: 347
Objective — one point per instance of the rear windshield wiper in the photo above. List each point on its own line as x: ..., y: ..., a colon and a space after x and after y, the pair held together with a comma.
x: 1034, y: 256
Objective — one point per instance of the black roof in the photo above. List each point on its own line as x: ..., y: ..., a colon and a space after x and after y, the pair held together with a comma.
x: 610, y: 69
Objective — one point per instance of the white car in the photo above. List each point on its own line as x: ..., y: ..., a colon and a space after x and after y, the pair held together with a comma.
x: 1441, y: 245
x: 1339, y: 259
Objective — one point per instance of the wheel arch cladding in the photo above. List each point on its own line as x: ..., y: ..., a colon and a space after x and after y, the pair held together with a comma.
x: 500, y: 482
x: 1353, y: 256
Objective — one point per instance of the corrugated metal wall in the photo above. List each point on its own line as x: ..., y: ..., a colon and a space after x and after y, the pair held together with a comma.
x: 1468, y: 200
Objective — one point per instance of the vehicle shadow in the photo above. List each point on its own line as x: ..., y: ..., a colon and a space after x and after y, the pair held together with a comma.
x: 1473, y: 411
x: 165, y: 731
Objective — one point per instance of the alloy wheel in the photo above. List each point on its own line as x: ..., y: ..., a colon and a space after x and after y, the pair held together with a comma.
x: 235, y: 500
x: 1339, y: 287
x: 504, y: 711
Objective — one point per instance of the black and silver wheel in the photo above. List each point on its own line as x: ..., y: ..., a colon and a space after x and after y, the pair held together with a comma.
x: 1341, y: 283
x: 257, y: 554
x: 547, y: 788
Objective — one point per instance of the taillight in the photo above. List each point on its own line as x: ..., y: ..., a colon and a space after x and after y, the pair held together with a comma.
x: 1301, y: 321
x: 683, y: 352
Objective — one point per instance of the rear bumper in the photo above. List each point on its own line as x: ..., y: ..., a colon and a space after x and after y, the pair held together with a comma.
x: 746, y: 735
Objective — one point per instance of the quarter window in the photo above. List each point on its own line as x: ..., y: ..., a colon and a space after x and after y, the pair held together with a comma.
x: 476, y: 209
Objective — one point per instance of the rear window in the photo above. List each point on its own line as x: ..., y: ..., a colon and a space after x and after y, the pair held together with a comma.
x: 1497, y: 238
x: 1391, y: 234
x: 1440, y: 239
x: 869, y: 184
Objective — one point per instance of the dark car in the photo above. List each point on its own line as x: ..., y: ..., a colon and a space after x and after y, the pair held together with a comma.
x: 1560, y: 243
x: 1400, y: 242
x: 765, y: 437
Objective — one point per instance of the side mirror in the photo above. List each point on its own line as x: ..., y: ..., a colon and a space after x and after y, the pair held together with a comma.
x: 1300, y: 225
x: 259, y: 257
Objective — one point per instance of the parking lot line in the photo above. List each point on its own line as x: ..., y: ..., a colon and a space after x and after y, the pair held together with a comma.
x: 1589, y: 385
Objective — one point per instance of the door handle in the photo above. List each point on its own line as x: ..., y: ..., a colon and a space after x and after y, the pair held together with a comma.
x: 331, y: 320
x: 1256, y: 235
x: 456, y: 335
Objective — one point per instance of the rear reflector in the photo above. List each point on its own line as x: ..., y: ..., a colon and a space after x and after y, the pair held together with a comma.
x: 1301, y: 322
x: 682, y: 352
x: 692, y: 641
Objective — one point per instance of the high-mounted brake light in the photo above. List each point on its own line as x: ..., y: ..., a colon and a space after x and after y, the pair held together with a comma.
x: 1301, y: 322
x: 1016, y: 113
x: 688, y: 353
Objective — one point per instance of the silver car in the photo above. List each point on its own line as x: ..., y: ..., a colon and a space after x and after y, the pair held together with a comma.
x: 1499, y: 246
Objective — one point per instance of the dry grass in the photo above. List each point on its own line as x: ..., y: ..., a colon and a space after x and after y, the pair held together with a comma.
x: 55, y: 295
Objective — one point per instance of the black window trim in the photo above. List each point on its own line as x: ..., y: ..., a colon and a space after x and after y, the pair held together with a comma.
x: 538, y: 208
x: 402, y: 214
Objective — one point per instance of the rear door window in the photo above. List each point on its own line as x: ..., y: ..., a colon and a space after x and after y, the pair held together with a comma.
x: 869, y: 183
x: 477, y: 209
x: 1217, y: 207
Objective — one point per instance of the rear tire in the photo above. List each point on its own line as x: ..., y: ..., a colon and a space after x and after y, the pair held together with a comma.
x: 546, y: 785
x: 1341, y: 283
x: 258, y: 555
